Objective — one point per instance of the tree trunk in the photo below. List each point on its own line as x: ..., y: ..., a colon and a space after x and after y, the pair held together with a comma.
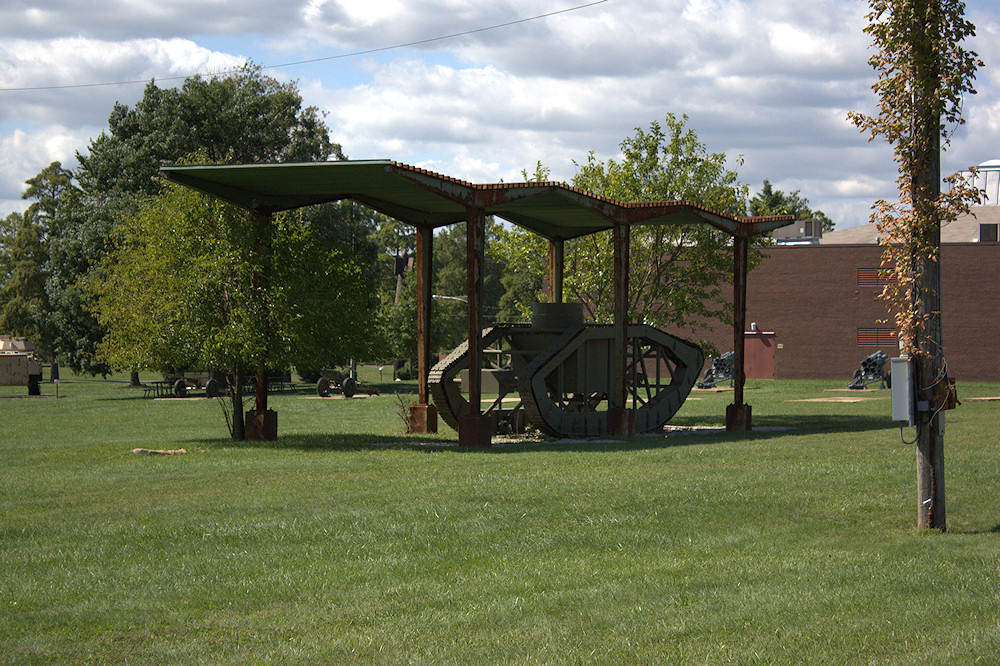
x: 133, y: 379
x: 236, y: 391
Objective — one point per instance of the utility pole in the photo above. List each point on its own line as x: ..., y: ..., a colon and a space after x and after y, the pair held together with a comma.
x: 924, y: 75
x: 931, y: 382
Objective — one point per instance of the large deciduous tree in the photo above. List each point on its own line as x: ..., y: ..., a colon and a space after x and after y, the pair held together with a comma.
x: 924, y: 73
x: 180, y: 288
x: 242, y: 117
x: 22, y: 291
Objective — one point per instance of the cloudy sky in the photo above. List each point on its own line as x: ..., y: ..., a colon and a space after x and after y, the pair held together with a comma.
x: 768, y: 80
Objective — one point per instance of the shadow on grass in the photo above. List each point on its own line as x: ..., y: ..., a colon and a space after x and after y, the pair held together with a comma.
x: 127, y: 392
x: 771, y: 428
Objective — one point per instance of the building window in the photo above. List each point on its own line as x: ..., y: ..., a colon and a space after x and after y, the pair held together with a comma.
x: 877, y: 336
x: 875, y: 277
x: 988, y: 233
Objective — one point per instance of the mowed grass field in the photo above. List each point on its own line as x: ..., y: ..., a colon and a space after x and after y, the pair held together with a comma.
x: 346, y: 541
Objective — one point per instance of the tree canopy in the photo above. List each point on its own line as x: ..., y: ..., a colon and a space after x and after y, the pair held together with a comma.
x: 770, y: 201
x: 246, y: 117
x: 180, y: 289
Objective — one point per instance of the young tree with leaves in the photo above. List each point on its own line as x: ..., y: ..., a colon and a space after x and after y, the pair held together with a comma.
x: 180, y: 289
x: 923, y: 74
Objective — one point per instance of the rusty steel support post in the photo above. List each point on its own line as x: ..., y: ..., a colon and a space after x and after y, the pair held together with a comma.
x: 475, y: 428
x: 556, y: 265
x: 261, y: 423
x: 423, y: 416
x: 621, y: 420
x: 738, y: 415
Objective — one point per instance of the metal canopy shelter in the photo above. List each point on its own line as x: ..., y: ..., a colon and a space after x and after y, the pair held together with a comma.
x: 427, y: 200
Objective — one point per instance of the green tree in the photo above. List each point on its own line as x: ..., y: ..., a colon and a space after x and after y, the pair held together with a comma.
x: 449, y: 317
x: 770, y: 201
x: 24, y: 253
x: 397, y: 321
x: 181, y: 288
x: 22, y: 293
x: 244, y: 117
x: 45, y: 189
x: 924, y: 73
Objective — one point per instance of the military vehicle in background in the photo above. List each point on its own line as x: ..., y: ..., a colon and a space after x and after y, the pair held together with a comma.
x: 872, y: 371
x: 19, y: 365
x: 719, y: 370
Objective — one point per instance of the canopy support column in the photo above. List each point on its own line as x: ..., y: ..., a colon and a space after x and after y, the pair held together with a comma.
x: 423, y: 416
x: 261, y: 423
x: 475, y: 428
x: 621, y: 420
x: 556, y: 265
x: 738, y: 415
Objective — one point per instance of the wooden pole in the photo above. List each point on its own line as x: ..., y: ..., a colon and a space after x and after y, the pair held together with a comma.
x: 925, y: 190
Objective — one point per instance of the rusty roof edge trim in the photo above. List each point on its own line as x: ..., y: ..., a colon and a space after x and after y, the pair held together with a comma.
x: 755, y: 226
x: 453, y: 189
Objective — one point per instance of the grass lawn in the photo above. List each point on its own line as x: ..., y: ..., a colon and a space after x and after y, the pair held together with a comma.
x: 345, y: 541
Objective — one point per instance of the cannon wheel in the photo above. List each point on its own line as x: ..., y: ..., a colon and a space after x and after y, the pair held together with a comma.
x: 349, y: 387
x: 180, y: 389
x: 323, y: 387
x: 212, y: 388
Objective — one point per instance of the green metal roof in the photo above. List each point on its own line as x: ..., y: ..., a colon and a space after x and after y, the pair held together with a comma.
x: 426, y: 199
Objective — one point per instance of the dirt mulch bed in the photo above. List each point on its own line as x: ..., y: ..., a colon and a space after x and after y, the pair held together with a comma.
x: 834, y: 399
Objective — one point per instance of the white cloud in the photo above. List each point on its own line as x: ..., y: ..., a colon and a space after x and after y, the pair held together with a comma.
x: 77, y: 61
x: 769, y: 79
x: 24, y: 154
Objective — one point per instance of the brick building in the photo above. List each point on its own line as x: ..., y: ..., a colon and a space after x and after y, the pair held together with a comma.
x: 813, y: 301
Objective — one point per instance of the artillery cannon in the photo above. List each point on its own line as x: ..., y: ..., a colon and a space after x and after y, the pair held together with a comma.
x: 872, y: 370
x: 211, y: 383
x: 335, y: 379
x: 720, y: 370
x: 561, y: 372
x: 19, y: 365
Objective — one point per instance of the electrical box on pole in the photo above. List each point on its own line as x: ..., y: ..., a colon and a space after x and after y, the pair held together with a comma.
x: 903, y: 393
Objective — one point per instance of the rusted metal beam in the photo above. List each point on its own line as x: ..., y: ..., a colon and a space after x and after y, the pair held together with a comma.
x: 475, y: 249
x: 620, y: 279
x: 556, y: 266
x: 424, y: 262
x: 738, y: 415
x: 475, y: 429
x: 620, y: 419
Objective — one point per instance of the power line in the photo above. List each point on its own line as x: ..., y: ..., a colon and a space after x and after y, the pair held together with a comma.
x: 325, y: 58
